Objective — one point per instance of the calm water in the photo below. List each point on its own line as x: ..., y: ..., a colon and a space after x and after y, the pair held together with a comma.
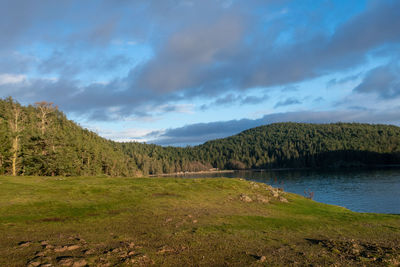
x: 358, y: 190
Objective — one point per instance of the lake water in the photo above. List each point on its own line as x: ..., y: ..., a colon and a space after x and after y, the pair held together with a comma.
x: 358, y: 190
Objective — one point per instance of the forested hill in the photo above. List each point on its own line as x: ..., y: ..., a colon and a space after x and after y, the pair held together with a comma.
x: 299, y: 145
x: 40, y: 140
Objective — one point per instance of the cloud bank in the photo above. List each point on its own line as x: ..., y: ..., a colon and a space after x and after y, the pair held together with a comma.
x: 112, y: 60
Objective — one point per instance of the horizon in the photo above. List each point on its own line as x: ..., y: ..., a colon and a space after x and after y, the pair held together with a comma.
x: 183, y: 72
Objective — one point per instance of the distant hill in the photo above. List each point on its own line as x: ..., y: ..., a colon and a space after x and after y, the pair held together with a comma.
x: 299, y: 145
x: 40, y: 140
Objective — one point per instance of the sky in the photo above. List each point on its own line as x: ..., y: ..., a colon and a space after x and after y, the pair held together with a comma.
x: 181, y: 72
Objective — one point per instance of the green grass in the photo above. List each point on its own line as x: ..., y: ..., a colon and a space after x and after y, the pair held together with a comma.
x: 182, y: 222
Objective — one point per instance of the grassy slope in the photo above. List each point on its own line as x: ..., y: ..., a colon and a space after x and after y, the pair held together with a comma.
x: 181, y: 222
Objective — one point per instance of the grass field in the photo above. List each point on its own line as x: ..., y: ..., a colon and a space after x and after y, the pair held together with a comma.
x: 182, y: 222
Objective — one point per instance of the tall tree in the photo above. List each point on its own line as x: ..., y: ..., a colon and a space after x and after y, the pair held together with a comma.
x: 5, y: 144
x: 16, y: 125
x: 45, y: 109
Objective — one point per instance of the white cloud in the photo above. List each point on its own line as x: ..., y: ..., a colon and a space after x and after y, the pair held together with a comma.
x: 127, y: 135
x: 11, y: 78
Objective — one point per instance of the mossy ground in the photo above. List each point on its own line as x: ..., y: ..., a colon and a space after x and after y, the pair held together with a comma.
x: 48, y: 221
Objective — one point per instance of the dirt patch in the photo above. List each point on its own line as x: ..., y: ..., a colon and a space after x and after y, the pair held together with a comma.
x: 55, y: 219
x: 117, y: 211
x: 165, y: 194
x: 76, y: 251
x: 123, y: 252
x: 358, y: 251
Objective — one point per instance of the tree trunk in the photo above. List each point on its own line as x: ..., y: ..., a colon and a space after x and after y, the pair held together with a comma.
x: 14, y: 156
x: 15, y: 144
x: 43, y: 122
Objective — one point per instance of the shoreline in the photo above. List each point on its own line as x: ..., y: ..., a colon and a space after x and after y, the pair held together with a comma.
x: 275, y: 169
x: 189, y: 173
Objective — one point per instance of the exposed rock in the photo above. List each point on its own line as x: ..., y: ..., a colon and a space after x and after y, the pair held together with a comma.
x: 34, y: 263
x: 245, y: 198
x: 282, y: 199
x: 40, y: 254
x: 61, y: 249
x: 268, y: 187
x: 263, y: 259
x: 123, y: 254
x: 255, y: 185
x: 355, y: 248
x: 89, y: 252
x: 73, y: 247
x: 24, y: 244
x: 275, y: 193
x: 80, y: 263
x: 165, y: 250
x: 115, y: 250
x: 66, y: 262
x: 395, y: 262
x: 143, y: 260
x: 262, y: 199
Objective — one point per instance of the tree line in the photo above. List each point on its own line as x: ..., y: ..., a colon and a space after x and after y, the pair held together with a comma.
x: 39, y: 140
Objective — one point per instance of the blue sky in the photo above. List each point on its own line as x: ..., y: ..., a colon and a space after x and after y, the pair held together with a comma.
x: 181, y: 72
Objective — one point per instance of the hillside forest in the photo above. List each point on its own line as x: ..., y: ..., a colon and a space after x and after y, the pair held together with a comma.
x: 39, y: 140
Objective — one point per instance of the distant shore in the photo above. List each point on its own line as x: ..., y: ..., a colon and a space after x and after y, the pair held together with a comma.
x: 275, y: 169
x: 190, y: 173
